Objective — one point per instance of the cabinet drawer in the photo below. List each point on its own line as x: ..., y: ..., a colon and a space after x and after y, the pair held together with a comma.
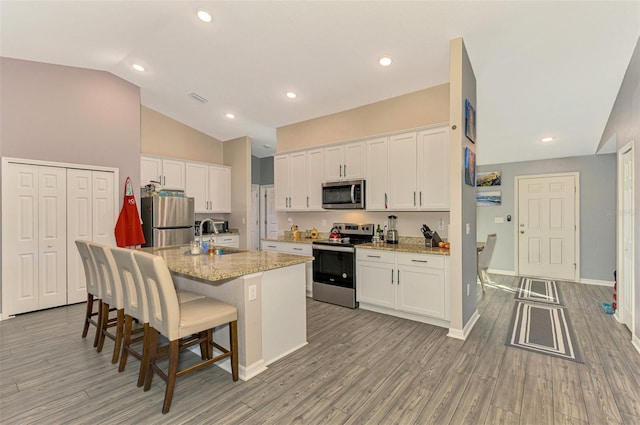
x: 424, y: 260
x: 375, y: 255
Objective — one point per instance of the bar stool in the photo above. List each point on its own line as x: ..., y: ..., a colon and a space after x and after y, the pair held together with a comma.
x: 111, y: 291
x: 93, y: 290
x: 183, y: 324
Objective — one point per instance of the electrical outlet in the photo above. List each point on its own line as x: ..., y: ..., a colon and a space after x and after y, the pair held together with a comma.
x: 441, y: 224
x: 244, y: 220
x: 253, y: 292
x: 498, y: 219
x: 468, y: 228
x: 468, y: 289
x: 289, y: 219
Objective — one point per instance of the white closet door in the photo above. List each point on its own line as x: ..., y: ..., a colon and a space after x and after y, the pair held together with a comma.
x: 20, y: 239
x: 52, y: 235
x: 104, y: 207
x: 79, y: 226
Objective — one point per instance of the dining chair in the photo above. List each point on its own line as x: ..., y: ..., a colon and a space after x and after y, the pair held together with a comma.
x: 184, y: 325
x: 93, y: 290
x: 484, y: 258
x: 111, y: 291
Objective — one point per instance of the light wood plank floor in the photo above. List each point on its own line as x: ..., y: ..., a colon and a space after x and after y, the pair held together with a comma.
x: 358, y: 368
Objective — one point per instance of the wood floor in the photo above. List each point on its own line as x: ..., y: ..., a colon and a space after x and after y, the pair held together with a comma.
x: 358, y: 368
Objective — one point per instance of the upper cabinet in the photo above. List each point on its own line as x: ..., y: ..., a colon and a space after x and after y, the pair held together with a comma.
x: 170, y: 173
x: 210, y: 186
x: 344, y: 162
x: 409, y: 171
x: 298, y: 181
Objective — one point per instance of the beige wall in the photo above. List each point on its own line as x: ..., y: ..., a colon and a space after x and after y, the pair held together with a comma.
x: 417, y: 109
x: 463, y: 258
x: 164, y: 136
x: 237, y: 154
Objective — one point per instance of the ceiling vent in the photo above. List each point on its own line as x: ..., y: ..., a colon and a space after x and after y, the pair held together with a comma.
x: 197, y: 97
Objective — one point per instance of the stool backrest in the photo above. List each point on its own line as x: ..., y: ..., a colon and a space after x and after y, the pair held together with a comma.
x: 484, y: 257
x: 133, y: 293
x: 110, y: 285
x: 90, y: 271
x: 164, y: 309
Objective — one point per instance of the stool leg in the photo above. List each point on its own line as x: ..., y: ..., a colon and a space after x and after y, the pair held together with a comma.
x: 103, y: 325
x: 128, y: 324
x: 174, y: 347
x: 153, y: 352
x: 87, y: 316
x: 234, y: 349
x: 118, y: 342
x: 144, y: 362
x: 96, y: 340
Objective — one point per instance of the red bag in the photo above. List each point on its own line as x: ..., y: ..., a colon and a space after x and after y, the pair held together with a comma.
x: 128, y: 229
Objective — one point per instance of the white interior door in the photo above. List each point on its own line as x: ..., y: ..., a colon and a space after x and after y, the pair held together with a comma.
x: 268, y: 216
x: 255, y: 217
x: 547, y: 230
x: 52, y: 231
x: 79, y: 213
x: 625, y: 274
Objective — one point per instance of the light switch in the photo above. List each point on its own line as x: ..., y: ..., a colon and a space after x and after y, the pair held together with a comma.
x: 441, y: 224
x: 498, y: 219
x: 468, y: 228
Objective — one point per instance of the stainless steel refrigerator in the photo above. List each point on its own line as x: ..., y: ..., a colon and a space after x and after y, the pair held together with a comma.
x: 167, y: 220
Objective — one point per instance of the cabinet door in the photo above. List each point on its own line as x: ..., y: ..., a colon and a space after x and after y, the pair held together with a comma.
x: 52, y: 234
x: 402, y: 172
x: 377, y: 174
x: 79, y: 226
x: 421, y: 290
x: 232, y: 241
x: 433, y: 166
x: 104, y: 217
x: 220, y: 189
x: 354, y: 161
x: 173, y: 175
x: 150, y: 170
x: 197, y: 186
x: 281, y: 172
x: 298, y: 181
x: 375, y: 284
x: 333, y: 163
x: 315, y: 174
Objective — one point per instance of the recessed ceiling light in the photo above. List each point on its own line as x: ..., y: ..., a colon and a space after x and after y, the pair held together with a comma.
x: 385, y: 61
x: 138, y: 67
x: 204, y: 16
x: 547, y: 139
x: 231, y: 116
x: 291, y: 95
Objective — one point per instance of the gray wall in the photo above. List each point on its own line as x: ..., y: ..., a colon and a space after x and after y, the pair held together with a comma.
x: 597, y: 211
x: 261, y: 170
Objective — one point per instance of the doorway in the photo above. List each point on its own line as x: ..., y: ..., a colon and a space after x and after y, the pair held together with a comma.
x: 547, y: 240
x: 268, y: 216
x: 255, y: 217
x: 625, y: 267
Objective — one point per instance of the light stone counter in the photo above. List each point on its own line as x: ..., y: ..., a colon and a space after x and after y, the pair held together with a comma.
x: 234, y: 263
x: 413, y: 248
x: 289, y: 240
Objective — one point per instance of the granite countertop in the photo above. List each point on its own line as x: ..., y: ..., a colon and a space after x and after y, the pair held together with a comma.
x: 413, y: 248
x: 233, y: 263
x: 291, y: 240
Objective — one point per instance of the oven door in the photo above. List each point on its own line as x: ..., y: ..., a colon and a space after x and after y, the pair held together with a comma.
x: 334, y: 265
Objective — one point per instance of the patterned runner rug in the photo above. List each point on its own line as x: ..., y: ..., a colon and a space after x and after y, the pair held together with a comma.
x: 538, y: 290
x: 544, y: 329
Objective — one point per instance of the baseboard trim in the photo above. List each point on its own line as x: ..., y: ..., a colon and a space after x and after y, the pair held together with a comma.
x: 286, y: 353
x: 596, y: 282
x: 635, y: 341
x: 503, y: 272
x: 464, y: 333
x: 244, y: 373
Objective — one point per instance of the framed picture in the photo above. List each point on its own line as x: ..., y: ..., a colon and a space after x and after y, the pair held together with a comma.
x: 491, y: 178
x: 489, y: 199
x: 469, y: 121
x: 469, y: 167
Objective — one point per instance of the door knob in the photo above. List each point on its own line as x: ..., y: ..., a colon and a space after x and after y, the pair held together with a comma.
x: 522, y: 231
x: 522, y: 225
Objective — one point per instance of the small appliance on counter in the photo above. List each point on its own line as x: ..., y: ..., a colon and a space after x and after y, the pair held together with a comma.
x: 431, y: 238
x: 212, y: 226
x: 392, y: 233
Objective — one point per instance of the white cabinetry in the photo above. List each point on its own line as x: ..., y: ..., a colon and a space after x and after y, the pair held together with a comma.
x: 296, y: 249
x: 210, y: 186
x: 344, y: 162
x: 169, y: 172
x: 232, y: 241
x: 377, y: 174
x: 412, y: 286
x: 298, y: 181
x: 91, y: 212
x: 402, y: 171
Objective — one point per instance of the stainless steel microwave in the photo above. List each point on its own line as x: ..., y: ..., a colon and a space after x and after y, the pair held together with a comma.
x: 343, y: 195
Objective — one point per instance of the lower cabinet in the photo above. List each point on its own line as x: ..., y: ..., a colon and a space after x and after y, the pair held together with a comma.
x: 413, y: 286
x: 232, y: 241
x: 296, y: 249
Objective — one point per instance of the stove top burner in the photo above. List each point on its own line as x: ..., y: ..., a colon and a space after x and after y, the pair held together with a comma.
x: 352, y: 234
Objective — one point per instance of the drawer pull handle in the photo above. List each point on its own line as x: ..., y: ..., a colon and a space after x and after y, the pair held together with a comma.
x: 420, y: 261
x: 270, y: 246
x: 373, y: 256
x: 297, y: 249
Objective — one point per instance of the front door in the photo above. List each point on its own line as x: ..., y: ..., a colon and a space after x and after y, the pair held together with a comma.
x: 547, y: 231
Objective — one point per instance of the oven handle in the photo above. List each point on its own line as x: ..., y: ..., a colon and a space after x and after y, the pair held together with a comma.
x: 334, y: 248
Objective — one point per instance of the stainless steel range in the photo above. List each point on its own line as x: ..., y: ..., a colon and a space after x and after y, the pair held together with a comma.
x: 334, y: 264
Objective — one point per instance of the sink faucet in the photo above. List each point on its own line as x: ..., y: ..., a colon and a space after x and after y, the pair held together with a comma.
x: 202, y: 225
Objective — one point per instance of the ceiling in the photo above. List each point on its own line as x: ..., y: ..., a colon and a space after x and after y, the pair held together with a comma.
x: 542, y: 68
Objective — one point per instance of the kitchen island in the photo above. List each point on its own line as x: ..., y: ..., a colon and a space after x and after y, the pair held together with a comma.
x: 267, y: 288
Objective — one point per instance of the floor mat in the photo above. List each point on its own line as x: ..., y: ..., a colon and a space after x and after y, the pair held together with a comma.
x: 538, y: 290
